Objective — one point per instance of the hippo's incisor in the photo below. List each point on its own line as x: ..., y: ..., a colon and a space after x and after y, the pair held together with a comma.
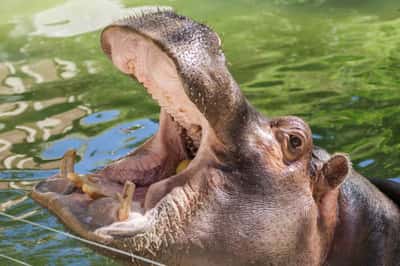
x: 255, y: 191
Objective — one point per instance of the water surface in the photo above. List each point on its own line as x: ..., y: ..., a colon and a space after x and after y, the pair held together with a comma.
x: 334, y: 63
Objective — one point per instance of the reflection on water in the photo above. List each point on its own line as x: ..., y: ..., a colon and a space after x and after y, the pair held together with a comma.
x: 103, y: 148
x: 100, y: 117
x: 334, y: 63
x: 75, y: 17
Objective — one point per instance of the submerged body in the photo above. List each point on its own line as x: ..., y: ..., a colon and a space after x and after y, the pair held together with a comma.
x: 252, y: 190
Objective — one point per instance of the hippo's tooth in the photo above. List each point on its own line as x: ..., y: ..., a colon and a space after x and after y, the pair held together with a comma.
x: 67, y: 163
x: 126, y: 200
x: 182, y: 166
x: 92, y: 190
x: 96, y: 190
x: 78, y: 180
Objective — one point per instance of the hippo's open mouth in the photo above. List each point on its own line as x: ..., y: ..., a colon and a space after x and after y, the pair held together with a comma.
x: 181, y: 123
x: 124, y: 198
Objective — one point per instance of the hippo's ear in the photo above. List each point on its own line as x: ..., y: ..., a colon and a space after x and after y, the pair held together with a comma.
x: 336, y: 169
x: 333, y: 173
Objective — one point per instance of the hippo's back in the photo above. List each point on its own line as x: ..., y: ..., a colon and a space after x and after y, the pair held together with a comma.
x: 388, y: 187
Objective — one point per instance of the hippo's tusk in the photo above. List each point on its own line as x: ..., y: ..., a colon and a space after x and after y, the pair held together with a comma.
x: 68, y: 163
x: 78, y: 180
x: 126, y: 200
x: 92, y: 190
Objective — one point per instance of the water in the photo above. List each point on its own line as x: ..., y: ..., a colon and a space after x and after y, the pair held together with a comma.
x: 334, y: 63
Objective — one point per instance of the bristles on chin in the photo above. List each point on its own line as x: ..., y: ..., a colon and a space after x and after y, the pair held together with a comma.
x: 138, y: 12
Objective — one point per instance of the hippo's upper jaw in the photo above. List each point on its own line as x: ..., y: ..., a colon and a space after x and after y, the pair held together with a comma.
x: 218, y: 184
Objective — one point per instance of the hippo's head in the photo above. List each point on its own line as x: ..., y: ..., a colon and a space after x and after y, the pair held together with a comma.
x: 253, y: 192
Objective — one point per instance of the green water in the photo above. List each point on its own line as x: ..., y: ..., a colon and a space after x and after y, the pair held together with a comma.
x: 334, y: 63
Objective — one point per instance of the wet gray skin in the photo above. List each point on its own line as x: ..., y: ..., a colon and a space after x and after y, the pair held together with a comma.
x: 256, y: 191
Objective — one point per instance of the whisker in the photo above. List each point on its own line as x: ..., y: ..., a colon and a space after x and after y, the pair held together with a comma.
x: 122, y: 252
x: 15, y: 260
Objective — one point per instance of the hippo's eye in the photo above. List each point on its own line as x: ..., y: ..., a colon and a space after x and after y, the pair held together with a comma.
x: 294, y: 137
x: 292, y: 147
x: 295, y: 141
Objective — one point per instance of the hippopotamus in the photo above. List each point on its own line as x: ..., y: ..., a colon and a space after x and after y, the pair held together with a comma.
x: 219, y: 183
